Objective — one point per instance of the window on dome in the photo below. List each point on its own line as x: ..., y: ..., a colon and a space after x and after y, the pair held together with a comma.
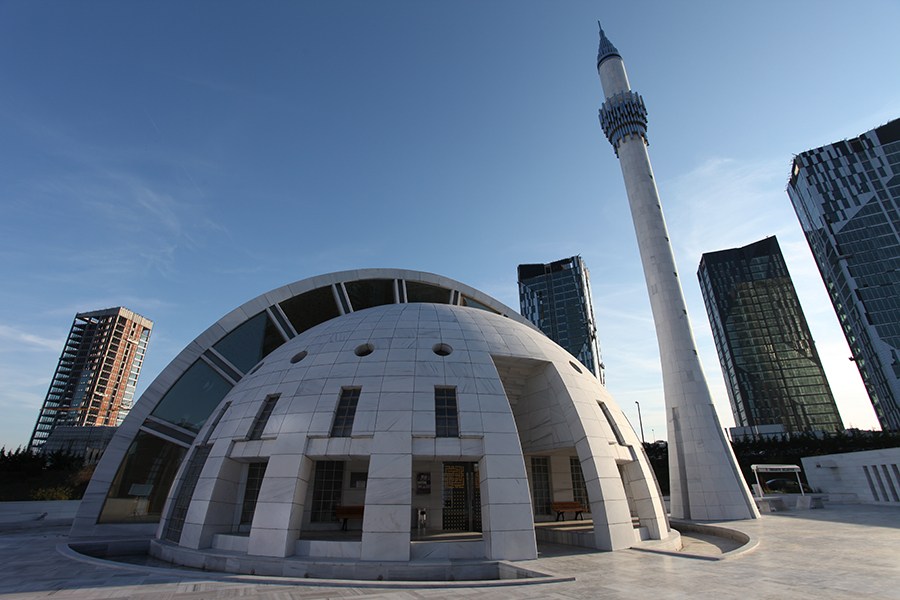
x: 367, y: 293
x: 446, y: 414
x: 256, y: 471
x: 262, y: 418
x: 345, y: 413
x: 423, y: 292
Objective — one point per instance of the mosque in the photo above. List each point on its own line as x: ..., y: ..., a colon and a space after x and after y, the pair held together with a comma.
x: 374, y: 415
x: 360, y: 419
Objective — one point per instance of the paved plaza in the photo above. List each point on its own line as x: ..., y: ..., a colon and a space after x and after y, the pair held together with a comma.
x: 841, y: 551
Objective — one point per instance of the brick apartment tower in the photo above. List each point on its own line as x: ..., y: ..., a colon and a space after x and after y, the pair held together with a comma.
x: 97, y: 372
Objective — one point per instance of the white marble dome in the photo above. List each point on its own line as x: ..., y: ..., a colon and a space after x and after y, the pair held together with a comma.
x: 379, y: 416
x: 438, y: 392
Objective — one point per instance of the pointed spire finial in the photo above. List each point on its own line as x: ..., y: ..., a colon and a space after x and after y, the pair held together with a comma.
x: 607, y: 50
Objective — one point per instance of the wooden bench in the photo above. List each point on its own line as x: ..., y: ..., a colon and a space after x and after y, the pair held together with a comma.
x: 348, y: 512
x: 561, y: 508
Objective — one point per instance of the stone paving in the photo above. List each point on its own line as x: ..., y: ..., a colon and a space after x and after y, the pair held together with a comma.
x: 841, y: 551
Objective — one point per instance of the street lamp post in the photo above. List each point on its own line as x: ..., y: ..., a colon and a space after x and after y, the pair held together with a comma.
x: 640, y: 422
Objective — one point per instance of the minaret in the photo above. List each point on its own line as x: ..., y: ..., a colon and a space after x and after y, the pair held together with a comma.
x: 704, y: 478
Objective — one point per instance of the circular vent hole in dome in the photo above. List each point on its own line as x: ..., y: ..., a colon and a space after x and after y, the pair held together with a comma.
x: 364, y: 350
x: 442, y: 349
x: 574, y: 366
x: 298, y: 357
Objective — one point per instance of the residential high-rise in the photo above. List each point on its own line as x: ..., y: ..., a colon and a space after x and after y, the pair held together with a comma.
x: 705, y: 481
x: 97, y: 372
x: 556, y: 297
x: 767, y: 353
x: 847, y: 197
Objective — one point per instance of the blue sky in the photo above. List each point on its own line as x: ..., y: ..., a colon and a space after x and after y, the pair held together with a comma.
x: 181, y: 158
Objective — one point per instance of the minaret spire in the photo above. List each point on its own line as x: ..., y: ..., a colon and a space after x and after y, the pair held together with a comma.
x: 705, y: 481
x: 606, y: 50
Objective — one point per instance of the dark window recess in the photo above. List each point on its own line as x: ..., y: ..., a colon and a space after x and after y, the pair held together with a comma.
x: 612, y: 424
x: 310, y: 308
x: 471, y: 303
x: 328, y: 484
x: 139, y: 489
x: 192, y: 398
x: 256, y: 471
x: 215, y: 423
x: 186, y: 489
x: 262, y: 418
x: 446, y: 414
x: 540, y: 484
x: 250, y: 342
x: 579, y: 489
x: 367, y: 293
x: 423, y: 292
x: 346, y: 411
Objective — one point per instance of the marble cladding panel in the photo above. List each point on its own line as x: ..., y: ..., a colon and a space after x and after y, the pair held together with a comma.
x: 385, y: 546
x: 512, y: 545
x: 386, y: 518
x: 397, y: 401
x: 328, y: 549
x: 389, y: 492
x: 230, y: 543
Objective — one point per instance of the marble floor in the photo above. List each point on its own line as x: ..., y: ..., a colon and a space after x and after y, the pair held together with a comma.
x: 841, y: 551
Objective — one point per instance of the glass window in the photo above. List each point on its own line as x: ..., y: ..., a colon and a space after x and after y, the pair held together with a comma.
x: 466, y: 301
x: 446, y: 415
x: 192, y: 398
x: 327, y: 487
x: 579, y: 489
x: 423, y: 292
x: 250, y: 342
x: 346, y: 411
x: 140, y: 487
x: 185, y: 493
x: 259, y: 424
x: 367, y: 293
x: 540, y: 484
x: 310, y: 308
x: 256, y: 471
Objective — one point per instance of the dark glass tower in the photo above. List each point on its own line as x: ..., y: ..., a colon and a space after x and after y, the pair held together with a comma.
x: 847, y: 197
x: 556, y: 297
x: 767, y: 354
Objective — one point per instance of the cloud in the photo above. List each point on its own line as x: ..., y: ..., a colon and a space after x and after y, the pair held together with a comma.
x: 24, y: 340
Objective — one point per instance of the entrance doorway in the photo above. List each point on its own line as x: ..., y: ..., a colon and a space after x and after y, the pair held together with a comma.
x: 462, y: 497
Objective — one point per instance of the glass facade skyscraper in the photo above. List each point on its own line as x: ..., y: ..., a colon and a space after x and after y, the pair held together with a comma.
x: 847, y: 197
x: 556, y: 297
x: 767, y: 353
x: 97, y: 372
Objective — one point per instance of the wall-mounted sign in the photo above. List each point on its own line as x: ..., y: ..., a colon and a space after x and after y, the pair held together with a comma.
x: 423, y: 483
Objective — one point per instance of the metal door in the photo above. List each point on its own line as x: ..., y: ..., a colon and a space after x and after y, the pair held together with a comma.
x: 462, y: 497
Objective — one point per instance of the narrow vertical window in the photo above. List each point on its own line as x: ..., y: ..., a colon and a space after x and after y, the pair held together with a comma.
x: 185, y: 492
x: 342, y: 426
x: 446, y: 414
x: 328, y: 484
x: 612, y: 424
x: 540, y: 484
x: 579, y: 489
x: 259, y: 424
x: 256, y: 471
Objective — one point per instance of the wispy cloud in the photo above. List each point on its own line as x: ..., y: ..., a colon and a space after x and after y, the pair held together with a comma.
x: 25, y: 340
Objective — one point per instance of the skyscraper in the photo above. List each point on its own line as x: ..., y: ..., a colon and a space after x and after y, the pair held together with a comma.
x: 97, y: 372
x: 847, y: 197
x: 767, y: 353
x: 557, y: 298
x: 705, y: 482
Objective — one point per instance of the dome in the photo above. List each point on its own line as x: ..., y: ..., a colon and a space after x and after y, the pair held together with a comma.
x: 388, y: 432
